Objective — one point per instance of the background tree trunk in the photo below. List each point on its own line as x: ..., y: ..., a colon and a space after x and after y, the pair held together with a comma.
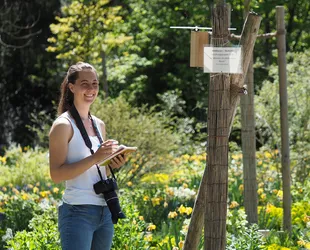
x: 285, y: 149
x: 248, y: 141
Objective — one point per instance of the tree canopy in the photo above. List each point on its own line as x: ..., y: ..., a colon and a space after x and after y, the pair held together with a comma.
x: 131, y: 44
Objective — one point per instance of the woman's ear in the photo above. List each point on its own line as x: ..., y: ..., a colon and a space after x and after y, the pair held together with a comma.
x: 71, y: 87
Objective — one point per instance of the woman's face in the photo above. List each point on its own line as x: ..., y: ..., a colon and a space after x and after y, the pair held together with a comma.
x: 86, y: 87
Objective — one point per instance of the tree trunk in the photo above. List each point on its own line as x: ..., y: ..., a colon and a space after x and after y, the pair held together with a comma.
x: 249, y: 149
x: 248, y: 141
x: 218, y: 133
x: 212, y: 195
x: 285, y: 149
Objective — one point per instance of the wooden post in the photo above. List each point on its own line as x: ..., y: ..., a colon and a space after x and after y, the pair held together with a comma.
x: 285, y: 149
x: 248, y: 141
x: 218, y: 134
x: 212, y: 195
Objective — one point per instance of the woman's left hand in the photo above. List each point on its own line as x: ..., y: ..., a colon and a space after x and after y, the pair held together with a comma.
x: 118, y: 161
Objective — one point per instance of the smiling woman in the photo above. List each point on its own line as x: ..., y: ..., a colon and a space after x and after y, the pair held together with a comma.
x: 84, y: 219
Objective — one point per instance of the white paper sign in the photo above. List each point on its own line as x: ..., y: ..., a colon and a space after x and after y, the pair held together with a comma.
x: 222, y: 60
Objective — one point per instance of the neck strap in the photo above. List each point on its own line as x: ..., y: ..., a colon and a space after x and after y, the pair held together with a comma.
x: 76, y: 116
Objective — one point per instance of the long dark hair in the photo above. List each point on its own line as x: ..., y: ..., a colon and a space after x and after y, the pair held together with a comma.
x: 66, y: 96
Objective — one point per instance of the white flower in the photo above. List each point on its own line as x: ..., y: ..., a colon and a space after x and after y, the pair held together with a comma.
x: 184, y: 193
x: 44, y: 204
x: 8, y: 235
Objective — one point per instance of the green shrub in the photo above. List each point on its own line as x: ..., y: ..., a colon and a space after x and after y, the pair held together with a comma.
x: 42, y: 233
x: 141, y: 127
x: 130, y: 232
x: 21, y: 166
x: 240, y: 235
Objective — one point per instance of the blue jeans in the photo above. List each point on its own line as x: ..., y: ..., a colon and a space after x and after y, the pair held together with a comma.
x: 85, y: 227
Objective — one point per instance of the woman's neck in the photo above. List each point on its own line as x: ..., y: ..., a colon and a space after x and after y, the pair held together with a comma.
x: 83, y: 111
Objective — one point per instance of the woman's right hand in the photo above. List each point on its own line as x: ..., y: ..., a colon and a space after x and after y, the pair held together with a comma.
x: 105, y: 149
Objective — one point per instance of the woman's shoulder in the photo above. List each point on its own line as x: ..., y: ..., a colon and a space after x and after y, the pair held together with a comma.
x: 61, y: 124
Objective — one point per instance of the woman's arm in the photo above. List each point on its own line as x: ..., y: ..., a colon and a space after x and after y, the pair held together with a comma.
x: 59, y: 137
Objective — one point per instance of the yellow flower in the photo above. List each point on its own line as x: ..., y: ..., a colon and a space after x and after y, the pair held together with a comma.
x: 270, y: 179
x: 241, y: 187
x: 263, y: 197
x: 35, y: 189
x: 30, y: 186
x: 165, y: 204
x: 151, y: 227
x: 280, y: 194
x: 260, y: 191
x: 182, y: 209
x: 148, y: 237
x: 25, y: 196
x: 261, y: 184
x: 307, y: 245
x: 44, y: 194
x: 169, y: 191
x: 181, y: 244
x: 4, y: 189
x: 129, y: 183
x: 301, y: 243
x: 172, y: 215
x: 186, y: 157
x: 306, y: 218
x: 15, y: 191
x: 185, y: 185
x: 155, y: 201
x: 275, y: 191
x: 141, y: 217
x: 237, y: 157
x: 146, y: 198
x: 3, y: 159
x: 55, y: 190
x: 268, y: 154
x: 189, y: 210
x: 185, y: 210
x: 233, y: 204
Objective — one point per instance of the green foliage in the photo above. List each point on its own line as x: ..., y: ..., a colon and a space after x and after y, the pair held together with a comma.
x: 18, y: 212
x: 130, y: 232
x: 41, y: 126
x: 23, y: 166
x: 86, y: 30
x: 41, y: 234
x: 240, y: 235
x: 141, y: 127
x: 268, y: 111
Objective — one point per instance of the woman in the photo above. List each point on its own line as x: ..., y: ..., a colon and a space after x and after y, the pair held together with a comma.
x: 84, y: 218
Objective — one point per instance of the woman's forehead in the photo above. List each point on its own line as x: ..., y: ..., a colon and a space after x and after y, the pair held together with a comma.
x: 87, y: 74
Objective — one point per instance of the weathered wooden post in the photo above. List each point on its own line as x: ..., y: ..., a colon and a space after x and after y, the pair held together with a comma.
x: 218, y: 134
x: 248, y: 141
x: 224, y: 96
x: 285, y: 149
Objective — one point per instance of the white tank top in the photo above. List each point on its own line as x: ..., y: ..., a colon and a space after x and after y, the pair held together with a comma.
x: 80, y: 189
